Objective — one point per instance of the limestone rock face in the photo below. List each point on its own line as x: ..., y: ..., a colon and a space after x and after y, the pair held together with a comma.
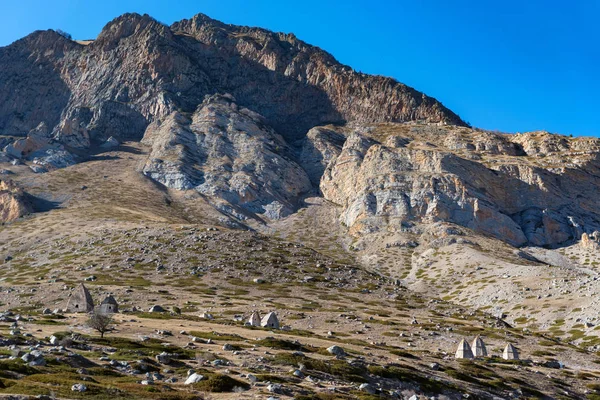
x: 480, y: 180
x: 374, y: 181
x: 226, y: 153
x: 13, y: 202
x: 41, y: 148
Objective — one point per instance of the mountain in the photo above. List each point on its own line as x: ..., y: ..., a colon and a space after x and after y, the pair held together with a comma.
x: 221, y: 170
x: 140, y: 78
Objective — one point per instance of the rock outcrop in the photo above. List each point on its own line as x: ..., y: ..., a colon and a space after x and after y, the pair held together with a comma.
x: 14, y: 202
x: 40, y: 148
x: 321, y: 146
x: 393, y: 176
x: 590, y: 242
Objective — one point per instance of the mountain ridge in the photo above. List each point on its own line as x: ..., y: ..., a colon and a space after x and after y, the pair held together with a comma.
x: 152, y: 33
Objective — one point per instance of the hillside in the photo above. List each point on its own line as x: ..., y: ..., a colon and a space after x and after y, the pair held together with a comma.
x: 125, y: 236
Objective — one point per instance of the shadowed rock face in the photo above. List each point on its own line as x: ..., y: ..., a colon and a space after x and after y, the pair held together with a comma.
x: 32, y: 90
x: 141, y: 73
x: 352, y: 96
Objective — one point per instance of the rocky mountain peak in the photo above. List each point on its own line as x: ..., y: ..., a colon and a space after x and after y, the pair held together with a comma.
x: 374, y: 99
x: 131, y: 24
x: 40, y: 45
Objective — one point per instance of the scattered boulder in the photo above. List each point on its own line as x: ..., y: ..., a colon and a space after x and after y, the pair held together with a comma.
x: 38, y: 169
x: 14, y: 202
x: 34, y: 359
x: 336, y: 351
x: 193, y: 378
x: 15, y: 351
x: 111, y: 142
x: 79, y: 387
x: 553, y: 364
x: 275, y: 388
x: 164, y: 358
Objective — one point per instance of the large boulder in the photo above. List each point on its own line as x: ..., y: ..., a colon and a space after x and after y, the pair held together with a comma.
x: 14, y: 202
x: 193, y: 378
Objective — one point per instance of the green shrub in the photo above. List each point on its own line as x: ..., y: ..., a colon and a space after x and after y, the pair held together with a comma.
x: 220, y: 383
x: 283, y: 345
x: 405, y: 354
x: 338, y: 368
x: 16, y: 366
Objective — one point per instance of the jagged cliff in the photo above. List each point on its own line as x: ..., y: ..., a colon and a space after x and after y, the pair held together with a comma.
x: 255, y: 120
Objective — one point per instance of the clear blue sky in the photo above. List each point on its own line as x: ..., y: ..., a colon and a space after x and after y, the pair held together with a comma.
x: 506, y: 65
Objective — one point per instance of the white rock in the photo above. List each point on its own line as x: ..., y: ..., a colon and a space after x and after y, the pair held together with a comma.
x: 193, y: 378
x: 79, y: 387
